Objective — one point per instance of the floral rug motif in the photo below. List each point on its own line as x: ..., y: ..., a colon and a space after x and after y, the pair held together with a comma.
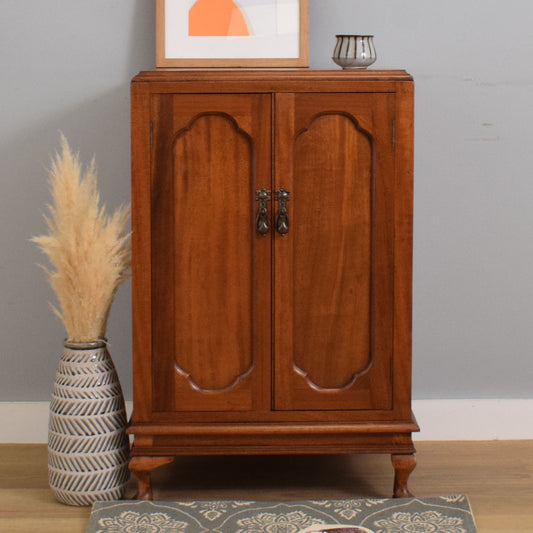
x: 445, y: 514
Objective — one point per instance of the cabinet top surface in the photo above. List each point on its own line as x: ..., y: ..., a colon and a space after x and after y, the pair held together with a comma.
x: 275, y: 75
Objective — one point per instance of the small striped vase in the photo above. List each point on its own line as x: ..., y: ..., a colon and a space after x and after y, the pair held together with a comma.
x: 88, y: 449
x: 354, y: 51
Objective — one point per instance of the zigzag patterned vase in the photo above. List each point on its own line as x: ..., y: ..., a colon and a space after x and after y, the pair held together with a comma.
x: 88, y: 449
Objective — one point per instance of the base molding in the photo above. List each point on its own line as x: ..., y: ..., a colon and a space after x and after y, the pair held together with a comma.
x: 273, y: 438
x: 27, y: 422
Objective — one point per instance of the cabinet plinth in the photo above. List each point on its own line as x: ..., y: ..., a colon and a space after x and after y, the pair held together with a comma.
x: 271, y: 272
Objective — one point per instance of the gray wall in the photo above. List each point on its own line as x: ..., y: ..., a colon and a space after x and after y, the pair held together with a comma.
x: 66, y: 65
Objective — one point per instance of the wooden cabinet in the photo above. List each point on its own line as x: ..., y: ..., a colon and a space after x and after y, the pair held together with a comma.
x: 272, y: 242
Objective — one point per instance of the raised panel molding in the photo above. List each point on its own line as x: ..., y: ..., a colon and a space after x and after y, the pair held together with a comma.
x: 196, y: 387
x: 344, y: 201
x: 344, y: 114
x: 316, y: 387
x: 200, y: 166
x: 224, y: 116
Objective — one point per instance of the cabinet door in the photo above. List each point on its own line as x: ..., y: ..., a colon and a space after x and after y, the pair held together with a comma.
x: 334, y: 268
x: 211, y: 297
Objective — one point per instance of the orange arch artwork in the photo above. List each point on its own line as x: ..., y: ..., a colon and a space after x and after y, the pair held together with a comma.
x: 213, y: 18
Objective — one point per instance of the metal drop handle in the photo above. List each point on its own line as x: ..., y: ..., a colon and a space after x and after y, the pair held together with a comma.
x: 262, y: 222
x: 282, y: 216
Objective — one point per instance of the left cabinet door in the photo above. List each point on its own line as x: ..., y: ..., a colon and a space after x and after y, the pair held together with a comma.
x: 211, y: 268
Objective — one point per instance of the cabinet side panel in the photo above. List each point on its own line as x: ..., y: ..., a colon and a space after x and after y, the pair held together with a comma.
x: 141, y: 246
x: 403, y: 246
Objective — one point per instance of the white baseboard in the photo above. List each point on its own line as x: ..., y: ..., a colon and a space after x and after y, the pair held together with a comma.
x: 27, y: 422
x: 474, y: 419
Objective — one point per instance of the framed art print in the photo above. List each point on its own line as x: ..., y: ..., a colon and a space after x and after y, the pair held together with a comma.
x: 232, y: 33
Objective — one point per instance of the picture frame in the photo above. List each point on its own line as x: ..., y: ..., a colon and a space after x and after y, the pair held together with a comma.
x: 232, y: 33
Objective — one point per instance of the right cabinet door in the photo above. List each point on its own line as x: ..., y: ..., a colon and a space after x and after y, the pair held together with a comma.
x: 334, y: 269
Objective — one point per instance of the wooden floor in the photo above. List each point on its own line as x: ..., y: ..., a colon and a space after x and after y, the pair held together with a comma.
x: 496, y: 475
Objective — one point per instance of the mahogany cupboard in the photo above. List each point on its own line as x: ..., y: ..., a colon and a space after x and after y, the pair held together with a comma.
x: 272, y: 242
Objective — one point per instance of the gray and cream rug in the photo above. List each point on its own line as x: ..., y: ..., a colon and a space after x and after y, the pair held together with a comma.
x: 445, y: 514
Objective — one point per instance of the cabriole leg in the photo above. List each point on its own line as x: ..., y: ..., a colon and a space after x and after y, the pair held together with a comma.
x: 142, y: 468
x: 403, y: 465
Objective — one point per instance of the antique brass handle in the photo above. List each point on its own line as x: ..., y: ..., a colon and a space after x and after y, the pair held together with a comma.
x: 262, y: 222
x: 282, y: 216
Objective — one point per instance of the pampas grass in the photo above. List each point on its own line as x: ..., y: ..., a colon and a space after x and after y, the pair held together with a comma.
x: 89, y: 251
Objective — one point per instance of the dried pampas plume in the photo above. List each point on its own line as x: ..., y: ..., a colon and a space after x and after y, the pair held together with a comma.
x: 89, y: 251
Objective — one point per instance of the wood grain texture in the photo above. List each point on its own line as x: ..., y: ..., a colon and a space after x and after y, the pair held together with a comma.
x: 496, y: 475
x: 142, y: 468
x: 276, y: 428
x: 213, y: 253
x: 403, y: 465
x: 278, y: 77
x: 210, y: 283
x: 403, y: 246
x: 332, y: 235
x: 141, y: 251
x: 334, y: 270
x: 277, y: 344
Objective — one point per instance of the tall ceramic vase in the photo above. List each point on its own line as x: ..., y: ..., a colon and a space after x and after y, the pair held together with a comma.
x: 88, y: 449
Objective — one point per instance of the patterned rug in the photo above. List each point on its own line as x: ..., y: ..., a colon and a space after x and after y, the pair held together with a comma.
x: 410, y: 515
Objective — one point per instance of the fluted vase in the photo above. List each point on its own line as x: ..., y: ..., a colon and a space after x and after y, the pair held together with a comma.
x: 88, y: 449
